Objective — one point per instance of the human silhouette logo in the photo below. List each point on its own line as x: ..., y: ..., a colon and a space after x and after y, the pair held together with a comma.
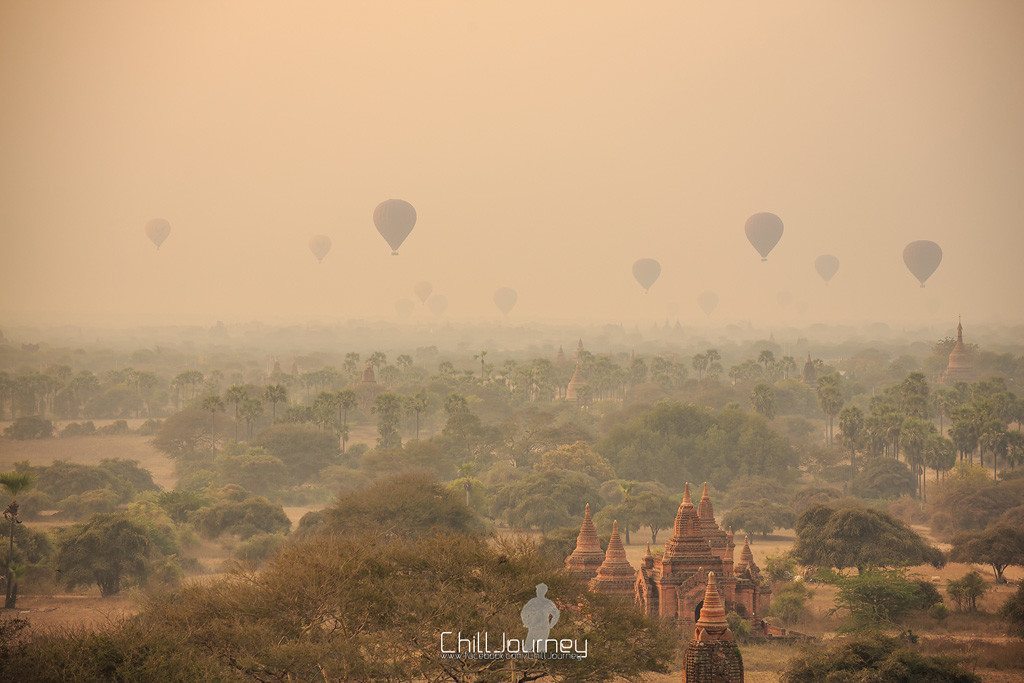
x: 539, y: 616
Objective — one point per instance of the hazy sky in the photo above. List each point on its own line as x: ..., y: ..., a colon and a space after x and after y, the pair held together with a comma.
x: 545, y: 145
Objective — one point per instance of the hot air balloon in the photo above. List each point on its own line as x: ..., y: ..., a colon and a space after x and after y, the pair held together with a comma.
x: 320, y: 245
x: 404, y: 307
x: 646, y: 272
x: 922, y: 258
x: 157, y: 231
x: 438, y: 304
x: 505, y: 299
x: 784, y: 298
x: 708, y: 302
x: 394, y: 219
x: 827, y: 266
x: 423, y: 291
x: 764, y: 230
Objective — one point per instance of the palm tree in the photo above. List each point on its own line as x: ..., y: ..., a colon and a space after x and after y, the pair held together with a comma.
x: 346, y: 400
x: 213, y: 405
x: 235, y: 395
x: 831, y: 399
x: 15, y: 483
x: 275, y: 393
x: 252, y: 408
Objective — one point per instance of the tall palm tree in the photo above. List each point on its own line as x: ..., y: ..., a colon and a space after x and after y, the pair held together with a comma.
x: 275, y: 393
x: 213, y: 405
x: 235, y: 395
x: 15, y: 483
x: 345, y: 400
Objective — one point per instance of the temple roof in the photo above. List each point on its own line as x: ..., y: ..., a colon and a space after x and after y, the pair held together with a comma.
x: 615, y: 565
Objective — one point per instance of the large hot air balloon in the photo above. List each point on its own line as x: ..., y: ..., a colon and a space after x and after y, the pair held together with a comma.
x: 646, y: 272
x: 157, y: 231
x: 764, y: 230
x: 922, y: 258
x: 708, y: 302
x: 827, y: 266
x: 394, y: 219
x: 404, y: 307
x: 423, y: 291
x: 505, y: 299
x: 438, y: 304
x: 320, y: 245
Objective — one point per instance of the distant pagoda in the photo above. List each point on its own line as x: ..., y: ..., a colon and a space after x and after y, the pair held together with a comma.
x: 810, y: 372
x: 616, y: 575
x: 960, y: 367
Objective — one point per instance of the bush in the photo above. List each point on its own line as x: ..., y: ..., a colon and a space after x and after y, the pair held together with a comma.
x: 29, y: 428
x: 78, y: 429
x: 1013, y: 611
x: 780, y: 568
x: 877, y: 598
x: 789, y: 604
x: 938, y: 611
x: 966, y: 591
x: 148, y: 428
x: 243, y: 518
x: 88, y: 503
x: 739, y: 626
x: 115, y: 428
x: 259, y: 548
x: 874, y: 658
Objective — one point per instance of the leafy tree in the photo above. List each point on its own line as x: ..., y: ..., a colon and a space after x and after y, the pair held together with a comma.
x: 577, y: 457
x: 875, y: 598
x: 185, y: 433
x: 253, y: 469
x: 759, y: 517
x: 243, y: 517
x: 303, y: 449
x: 389, y: 419
x: 884, y: 478
x: 859, y: 537
x: 407, y: 504
x: 763, y: 400
x: 999, y: 546
x: 874, y: 658
x: 966, y: 591
x: 108, y: 550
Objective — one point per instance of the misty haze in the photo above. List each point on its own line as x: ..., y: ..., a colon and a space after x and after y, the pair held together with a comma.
x: 332, y: 332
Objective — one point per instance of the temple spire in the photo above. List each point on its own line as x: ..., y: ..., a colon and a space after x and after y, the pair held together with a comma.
x: 712, y: 612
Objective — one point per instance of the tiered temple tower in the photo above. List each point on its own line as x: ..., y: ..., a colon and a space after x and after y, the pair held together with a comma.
x: 753, y: 594
x: 721, y: 543
x: 587, y: 557
x: 616, y: 575
x: 712, y: 656
x: 960, y: 367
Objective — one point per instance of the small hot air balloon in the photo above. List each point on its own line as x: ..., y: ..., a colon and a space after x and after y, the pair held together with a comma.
x: 394, y: 219
x: 708, y: 302
x: 320, y: 245
x: 784, y: 299
x: 827, y: 266
x: 505, y: 299
x: 423, y: 291
x: 157, y: 231
x: 764, y: 230
x: 922, y: 258
x: 404, y: 307
x: 438, y: 304
x: 646, y: 272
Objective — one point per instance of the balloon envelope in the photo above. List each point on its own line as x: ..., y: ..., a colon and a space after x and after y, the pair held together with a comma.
x: 404, y: 307
x: 320, y: 245
x: 922, y: 258
x: 157, y: 231
x: 827, y: 266
x: 708, y: 302
x: 438, y: 304
x: 764, y: 230
x: 646, y: 272
x: 505, y: 299
x: 423, y: 291
x: 394, y: 219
